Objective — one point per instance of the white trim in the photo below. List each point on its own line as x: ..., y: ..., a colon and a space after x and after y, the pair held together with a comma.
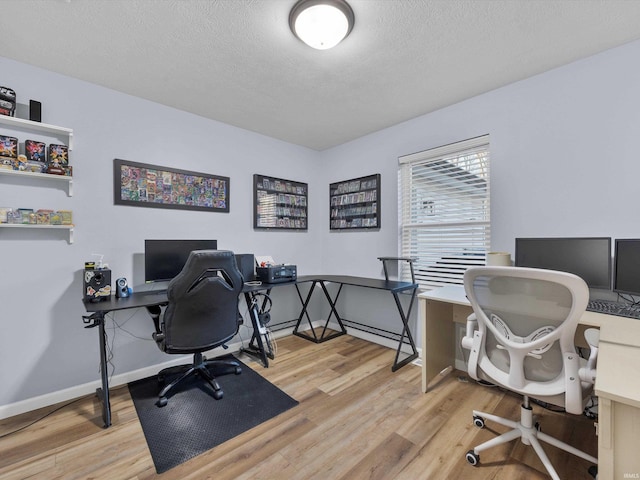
x: 445, y: 149
x: 78, y: 391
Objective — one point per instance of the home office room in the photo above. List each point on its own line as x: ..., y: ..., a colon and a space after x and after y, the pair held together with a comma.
x: 341, y: 209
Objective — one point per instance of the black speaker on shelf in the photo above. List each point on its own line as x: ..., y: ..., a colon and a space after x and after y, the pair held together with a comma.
x: 122, y: 288
x: 35, y: 111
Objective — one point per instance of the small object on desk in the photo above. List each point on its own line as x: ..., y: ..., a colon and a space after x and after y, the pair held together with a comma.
x: 277, y: 273
x: 122, y: 288
x: 96, y: 284
x: 264, y: 261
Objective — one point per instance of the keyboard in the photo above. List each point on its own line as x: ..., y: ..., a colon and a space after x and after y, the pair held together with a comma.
x: 611, y: 307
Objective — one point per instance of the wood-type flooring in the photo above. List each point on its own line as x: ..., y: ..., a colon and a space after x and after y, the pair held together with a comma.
x: 356, y: 420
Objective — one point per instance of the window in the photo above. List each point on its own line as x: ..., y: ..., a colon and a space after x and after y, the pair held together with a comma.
x: 444, y: 211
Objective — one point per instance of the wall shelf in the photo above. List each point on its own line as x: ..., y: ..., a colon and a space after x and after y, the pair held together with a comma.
x: 56, y: 227
x: 44, y: 176
x: 61, y: 132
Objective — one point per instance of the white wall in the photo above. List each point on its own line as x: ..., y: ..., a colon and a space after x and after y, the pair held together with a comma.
x: 43, y: 347
x: 562, y: 157
x: 564, y: 162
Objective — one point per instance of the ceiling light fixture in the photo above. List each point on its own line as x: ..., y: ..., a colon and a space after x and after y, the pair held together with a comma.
x: 321, y: 24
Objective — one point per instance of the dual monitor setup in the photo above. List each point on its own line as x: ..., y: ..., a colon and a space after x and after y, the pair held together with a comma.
x: 587, y: 257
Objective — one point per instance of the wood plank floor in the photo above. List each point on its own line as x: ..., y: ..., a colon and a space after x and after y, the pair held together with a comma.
x: 356, y: 420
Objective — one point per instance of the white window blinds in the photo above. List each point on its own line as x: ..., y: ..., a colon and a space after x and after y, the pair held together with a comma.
x: 444, y: 211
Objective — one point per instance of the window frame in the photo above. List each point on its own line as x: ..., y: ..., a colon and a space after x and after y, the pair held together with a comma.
x: 457, y: 201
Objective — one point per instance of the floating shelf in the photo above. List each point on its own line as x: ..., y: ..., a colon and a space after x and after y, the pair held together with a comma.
x: 39, y: 127
x: 28, y: 225
x: 45, y: 176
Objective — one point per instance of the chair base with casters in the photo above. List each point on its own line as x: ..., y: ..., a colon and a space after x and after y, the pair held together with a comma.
x: 200, y: 367
x: 529, y: 433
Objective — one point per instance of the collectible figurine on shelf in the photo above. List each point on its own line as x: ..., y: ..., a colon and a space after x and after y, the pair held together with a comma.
x: 20, y: 163
x: 55, y: 168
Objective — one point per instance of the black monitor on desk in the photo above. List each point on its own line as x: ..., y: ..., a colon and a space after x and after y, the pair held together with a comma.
x: 627, y: 266
x: 164, y: 259
x: 587, y: 257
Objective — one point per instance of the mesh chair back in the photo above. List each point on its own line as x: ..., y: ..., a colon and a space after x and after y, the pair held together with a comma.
x: 527, y: 320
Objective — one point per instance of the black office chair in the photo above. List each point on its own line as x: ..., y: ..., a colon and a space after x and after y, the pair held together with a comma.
x: 202, y: 314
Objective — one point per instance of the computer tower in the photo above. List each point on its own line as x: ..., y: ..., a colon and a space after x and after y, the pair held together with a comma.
x: 246, y: 264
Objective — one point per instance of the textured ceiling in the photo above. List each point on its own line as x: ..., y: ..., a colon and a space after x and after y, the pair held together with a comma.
x: 236, y: 61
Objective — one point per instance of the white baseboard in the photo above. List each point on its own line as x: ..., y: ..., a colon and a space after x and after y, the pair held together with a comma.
x: 77, y: 391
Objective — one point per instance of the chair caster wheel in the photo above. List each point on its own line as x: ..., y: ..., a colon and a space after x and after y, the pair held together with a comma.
x: 218, y: 394
x: 538, y: 427
x: 162, y: 402
x: 472, y: 458
x: 238, y: 370
x: 478, y: 421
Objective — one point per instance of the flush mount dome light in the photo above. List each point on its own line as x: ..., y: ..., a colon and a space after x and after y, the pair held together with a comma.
x: 321, y: 24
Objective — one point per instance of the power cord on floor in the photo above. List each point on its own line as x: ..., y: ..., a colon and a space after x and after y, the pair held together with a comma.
x: 40, y: 418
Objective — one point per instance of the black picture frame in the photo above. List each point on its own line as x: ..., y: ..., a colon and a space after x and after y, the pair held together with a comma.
x: 279, y: 204
x: 138, y: 184
x: 355, y: 204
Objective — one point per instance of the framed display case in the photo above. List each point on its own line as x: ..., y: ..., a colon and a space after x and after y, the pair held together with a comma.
x: 355, y: 203
x: 142, y: 185
x: 279, y: 204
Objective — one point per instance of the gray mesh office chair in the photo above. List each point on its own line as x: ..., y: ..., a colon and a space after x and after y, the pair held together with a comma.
x: 521, y: 337
x: 202, y: 314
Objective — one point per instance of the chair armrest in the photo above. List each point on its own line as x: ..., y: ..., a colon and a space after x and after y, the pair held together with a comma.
x: 588, y: 373
x: 472, y: 326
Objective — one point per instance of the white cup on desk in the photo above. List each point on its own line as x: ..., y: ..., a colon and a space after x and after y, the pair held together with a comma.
x: 498, y: 259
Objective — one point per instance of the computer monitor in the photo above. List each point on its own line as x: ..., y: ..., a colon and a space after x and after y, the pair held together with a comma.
x: 164, y: 259
x: 587, y: 257
x: 626, y: 278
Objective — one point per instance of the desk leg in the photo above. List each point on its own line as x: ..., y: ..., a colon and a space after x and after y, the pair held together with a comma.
x: 258, y: 351
x: 103, y: 393
x: 405, y: 329
x: 303, y: 313
x: 438, y: 339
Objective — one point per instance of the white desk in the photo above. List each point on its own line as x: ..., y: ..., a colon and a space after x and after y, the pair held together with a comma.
x: 617, y: 381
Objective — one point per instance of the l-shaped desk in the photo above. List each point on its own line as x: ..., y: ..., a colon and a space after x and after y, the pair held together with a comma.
x: 617, y: 380
x: 99, y: 310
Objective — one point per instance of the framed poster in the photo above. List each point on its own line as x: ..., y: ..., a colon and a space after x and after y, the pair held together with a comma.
x: 279, y: 204
x: 142, y: 185
x: 355, y: 203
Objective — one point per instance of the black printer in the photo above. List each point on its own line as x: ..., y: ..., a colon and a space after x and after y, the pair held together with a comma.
x: 276, y: 273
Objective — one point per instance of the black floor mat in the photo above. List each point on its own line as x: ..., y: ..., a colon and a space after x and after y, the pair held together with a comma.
x: 194, y: 422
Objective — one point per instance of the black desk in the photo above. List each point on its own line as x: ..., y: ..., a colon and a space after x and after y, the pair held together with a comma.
x: 99, y: 310
x: 392, y: 286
